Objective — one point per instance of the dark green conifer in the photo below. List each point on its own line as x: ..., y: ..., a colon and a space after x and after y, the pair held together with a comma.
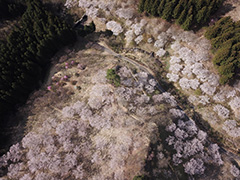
x: 182, y: 17
x: 207, y: 15
x: 177, y: 11
x: 188, y: 22
x: 199, y: 4
x: 141, y: 6
x: 161, y: 7
x: 200, y: 15
x: 220, y: 40
x: 226, y: 72
x: 221, y: 55
x: 148, y: 6
x: 167, y: 12
x: 154, y: 9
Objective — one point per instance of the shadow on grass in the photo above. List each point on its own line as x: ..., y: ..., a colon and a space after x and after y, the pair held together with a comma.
x: 151, y: 165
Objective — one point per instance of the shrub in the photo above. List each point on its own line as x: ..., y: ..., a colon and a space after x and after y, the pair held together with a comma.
x: 143, y: 177
x: 113, y: 77
x: 88, y: 29
x: 198, y: 92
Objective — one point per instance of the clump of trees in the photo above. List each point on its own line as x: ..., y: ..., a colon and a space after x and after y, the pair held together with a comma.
x: 27, y: 51
x: 185, y: 12
x: 225, y: 40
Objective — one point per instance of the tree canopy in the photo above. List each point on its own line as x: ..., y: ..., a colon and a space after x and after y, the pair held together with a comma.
x: 186, y: 13
x: 225, y: 40
x: 27, y: 51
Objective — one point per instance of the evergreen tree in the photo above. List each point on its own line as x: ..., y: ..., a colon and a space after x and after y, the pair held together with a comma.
x: 219, y: 41
x: 224, y: 20
x: 184, y: 2
x: 221, y: 55
x: 177, y: 10
x: 190, y: 11
x: 182, y: 10
x: 219, y: 3
x: 212, y: 32
x: 154, y: 9
x: 167, y: 12
x: 199, y: 4
x: 190, y: 3
x: 148, y: 5
x: 187, y: 24
x: 208, y: 13
x: 182, y: 17
x: 226, y: 73
x: 208, y: 2
x: 213, y: 5
x: 161, y: 7
x: 28, y: 48
x: 236, y: 47
x: 201, y: 14
x: 141, y: 5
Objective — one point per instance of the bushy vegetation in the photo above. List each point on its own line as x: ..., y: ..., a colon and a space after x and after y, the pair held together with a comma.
x: 185, y: 12
x: 27, y: 52
x: 140, y: 178
x: 225, y: 40
x: 85, y: 30
x: 11, y: 9
x: 116, y: 43
x: 113, y: 77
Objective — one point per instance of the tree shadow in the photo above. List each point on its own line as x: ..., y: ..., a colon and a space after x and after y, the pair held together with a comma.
x: 11, y: 130
x: 224, y: 9
x: 151, y: 165
x: 212, y: 172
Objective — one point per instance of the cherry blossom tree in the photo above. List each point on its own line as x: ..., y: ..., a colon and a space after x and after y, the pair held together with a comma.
x: 194, y: 166
x: 126, y: 13
x: 161, y: 52
x: 115, y: 27
x: 230, y: 126
x: 172, y: 77
x: 138, y: 39
x: 234, y: 171
x: 221, y: 111
x: 208, y: 89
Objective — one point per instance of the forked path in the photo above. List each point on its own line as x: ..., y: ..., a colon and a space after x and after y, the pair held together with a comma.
x: 133, y: 62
